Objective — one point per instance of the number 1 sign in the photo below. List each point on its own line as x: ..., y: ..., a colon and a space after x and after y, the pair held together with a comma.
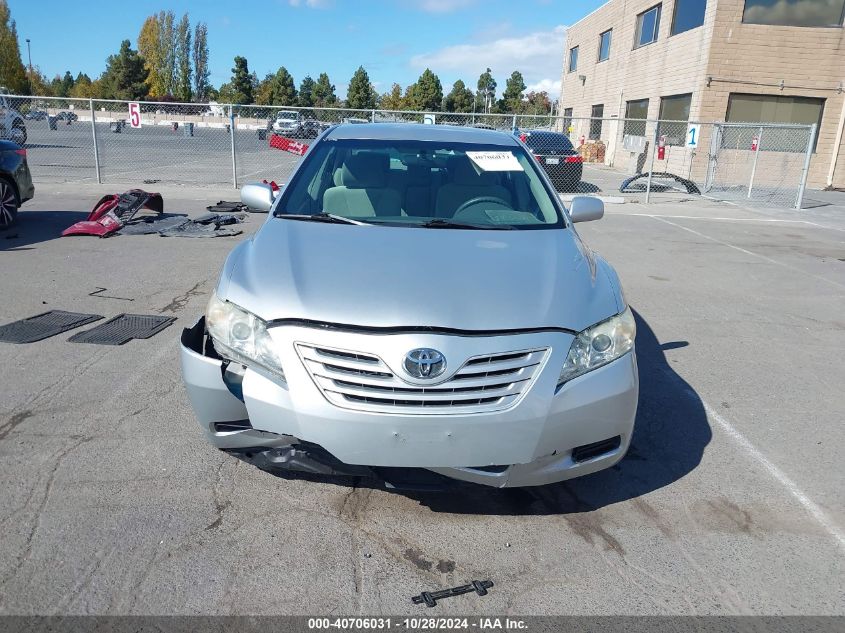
x: 693, y: 133
x: 135, y: 114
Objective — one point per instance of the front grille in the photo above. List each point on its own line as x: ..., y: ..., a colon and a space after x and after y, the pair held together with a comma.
x: 356, y: 380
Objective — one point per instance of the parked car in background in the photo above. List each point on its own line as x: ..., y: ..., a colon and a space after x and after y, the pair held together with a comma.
x: 417, y: 299
x: 35, y: 115
x: 67, y: 115
x: 15, y: 182
x: 312, y: 128
x: 287, y: 122
x: 558, y: 157
x: 354, y: 120
x: 12, y: 126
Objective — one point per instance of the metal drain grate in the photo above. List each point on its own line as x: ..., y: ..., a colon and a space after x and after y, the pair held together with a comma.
x: 44, y: 326
x: 123, y: 328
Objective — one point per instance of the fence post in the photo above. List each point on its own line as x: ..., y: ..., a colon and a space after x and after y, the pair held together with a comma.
x: 513, y: 127
x: 373, y: 116
x: 756, y: 156
x: 807, y: 158
x: 232, y: 139
x: 651, y: 168
x: 94, y: 134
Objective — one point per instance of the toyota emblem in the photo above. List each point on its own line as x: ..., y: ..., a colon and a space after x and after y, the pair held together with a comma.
x: 424, y: 363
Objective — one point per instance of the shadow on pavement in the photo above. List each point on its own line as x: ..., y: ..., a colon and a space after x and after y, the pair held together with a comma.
x: 37, y: 226
x: 670, y: 435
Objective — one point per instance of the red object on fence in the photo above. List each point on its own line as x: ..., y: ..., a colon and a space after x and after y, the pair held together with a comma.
x: 754, y: 142
x: 288, y: 145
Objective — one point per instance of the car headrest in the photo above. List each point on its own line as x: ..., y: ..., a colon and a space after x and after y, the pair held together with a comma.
x: 463, y: 173
x: 419, y: 175
x: 365, y: 170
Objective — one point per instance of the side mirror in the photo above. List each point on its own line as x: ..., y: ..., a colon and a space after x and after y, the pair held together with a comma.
x: 258, y: 196
x: 586, y: 209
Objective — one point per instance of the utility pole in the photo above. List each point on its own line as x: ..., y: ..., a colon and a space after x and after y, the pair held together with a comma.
x: 29, y: 55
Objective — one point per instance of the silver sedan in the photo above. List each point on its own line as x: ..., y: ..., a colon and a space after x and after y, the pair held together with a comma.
x: 418, y: 300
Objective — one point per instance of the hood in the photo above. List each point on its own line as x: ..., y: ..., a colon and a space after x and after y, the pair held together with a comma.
x: 394, y: 276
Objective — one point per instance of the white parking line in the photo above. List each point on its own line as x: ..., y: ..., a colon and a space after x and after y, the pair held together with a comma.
x: 809, y: 505
x: 724, y: 219
x: 747, y: 252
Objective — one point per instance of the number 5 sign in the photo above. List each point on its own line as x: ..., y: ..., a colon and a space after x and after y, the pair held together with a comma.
x: 135, y: 115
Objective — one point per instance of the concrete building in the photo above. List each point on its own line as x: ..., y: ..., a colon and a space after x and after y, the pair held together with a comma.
x: 713, y: 60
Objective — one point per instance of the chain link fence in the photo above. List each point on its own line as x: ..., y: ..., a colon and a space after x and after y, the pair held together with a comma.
x: 94, y: 140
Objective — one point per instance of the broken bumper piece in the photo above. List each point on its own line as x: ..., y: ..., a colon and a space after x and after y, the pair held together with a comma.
x: 550, y: 435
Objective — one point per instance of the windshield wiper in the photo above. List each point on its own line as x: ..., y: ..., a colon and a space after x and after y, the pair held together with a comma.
x: 442, y: 223
x: 329, y: 218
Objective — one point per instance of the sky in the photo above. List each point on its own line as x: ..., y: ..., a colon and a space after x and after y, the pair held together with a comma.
x: 395, y: 40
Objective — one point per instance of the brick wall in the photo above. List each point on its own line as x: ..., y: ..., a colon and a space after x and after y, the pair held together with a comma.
x: 810, y: 61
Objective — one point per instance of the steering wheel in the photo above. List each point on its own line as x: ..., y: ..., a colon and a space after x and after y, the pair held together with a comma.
x: 478, y: 200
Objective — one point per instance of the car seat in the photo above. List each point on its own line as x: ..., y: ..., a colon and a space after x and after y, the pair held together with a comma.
x: 361, y: 188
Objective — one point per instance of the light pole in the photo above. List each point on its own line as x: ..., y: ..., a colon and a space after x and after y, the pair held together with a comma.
x: 29, y: 55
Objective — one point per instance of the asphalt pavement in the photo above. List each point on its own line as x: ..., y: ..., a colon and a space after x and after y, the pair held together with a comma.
x: 729, y: 501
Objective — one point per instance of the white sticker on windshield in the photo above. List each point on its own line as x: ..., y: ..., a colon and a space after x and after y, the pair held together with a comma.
x: 495, y: 161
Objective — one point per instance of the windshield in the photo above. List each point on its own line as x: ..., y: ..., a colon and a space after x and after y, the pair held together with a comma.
x: 422, y: 183
x: 291, y: 116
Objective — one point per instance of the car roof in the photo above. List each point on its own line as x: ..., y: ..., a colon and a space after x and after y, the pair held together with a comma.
x: 544, y: 133
x: 419, y: 132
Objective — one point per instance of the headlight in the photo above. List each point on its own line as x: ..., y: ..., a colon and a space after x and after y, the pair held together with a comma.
x: 598, y: 345
x: 240, y: 335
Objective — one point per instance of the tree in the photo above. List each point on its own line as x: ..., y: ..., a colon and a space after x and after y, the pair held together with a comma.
x: 38, y: 83
x: 306, y: 92
x: 427, y: 93
x: 61, y: 86
x: 149, y: 47
x: 183, y: 59
x: 201, y: 87
x: 83, y: 87
x: 283, y: 90
x: 12, y: 72
x: 168, y: 51
x: 125, y: 75
x: 537, y: 103
x: 393, y: 100
x: 324, y: 92
x: 360, y: 94
x: 240, y: 89
x: 486, y: 90
x: 512, y: 96
x: 459, y: 99
x: 264, y: 93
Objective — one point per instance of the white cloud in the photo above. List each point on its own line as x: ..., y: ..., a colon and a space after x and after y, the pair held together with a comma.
x: 552, y: 86
x: 311, y: 4
x: 443, y: 6
x: 538, y: 56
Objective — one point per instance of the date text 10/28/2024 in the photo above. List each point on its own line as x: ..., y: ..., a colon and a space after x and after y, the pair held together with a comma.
x: 418, y: 624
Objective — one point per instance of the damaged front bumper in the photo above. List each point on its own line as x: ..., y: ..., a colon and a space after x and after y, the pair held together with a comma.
x: 550, y: 434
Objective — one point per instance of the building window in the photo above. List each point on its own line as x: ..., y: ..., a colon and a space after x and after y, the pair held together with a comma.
x: 674, y: 115
x: 689, y: 14
x: 604, y: 45
x: 573, y: 59
x: 567, y: 121
x: 648, y: 25
x: 794, y: 12
x: 775, y: 109
x: 636, y: 112
x: 596, y: 121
